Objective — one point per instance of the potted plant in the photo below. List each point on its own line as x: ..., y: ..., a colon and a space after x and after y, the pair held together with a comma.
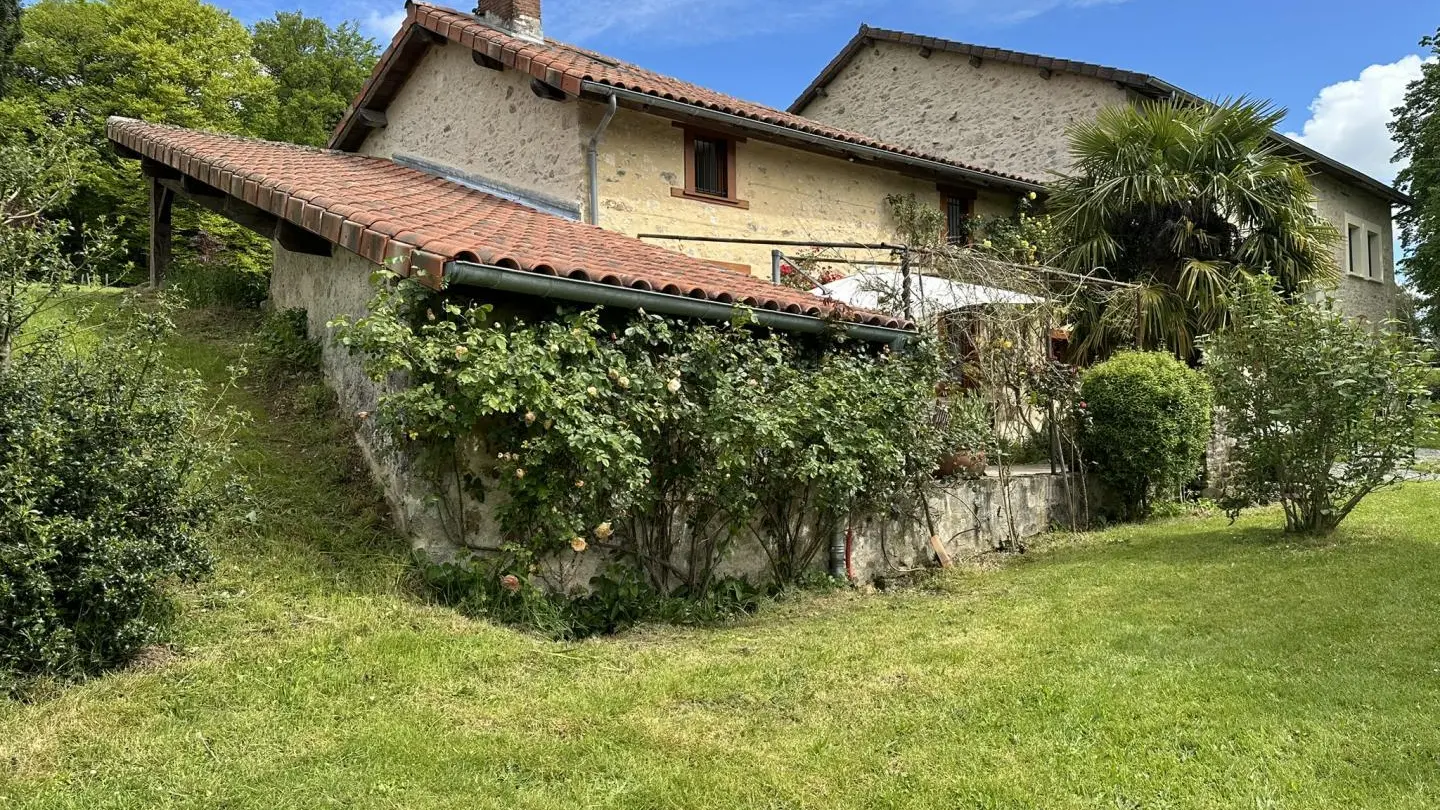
x: 968, y: 433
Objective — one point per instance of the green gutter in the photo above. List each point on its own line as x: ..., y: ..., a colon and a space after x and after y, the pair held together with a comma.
x: 589, y: 292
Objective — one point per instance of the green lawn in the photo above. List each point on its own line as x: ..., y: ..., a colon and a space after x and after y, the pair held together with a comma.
x: 1177, y: 665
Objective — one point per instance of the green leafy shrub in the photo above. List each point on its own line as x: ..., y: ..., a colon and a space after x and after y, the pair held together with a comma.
x: 619, y: 598
x: 1323, y: 410
x: 1147, y: 426
x: 106, y: 488
x: 219, y: 263
x: 656, y: 440
x: 1432, y: 382
x: 285, y: 343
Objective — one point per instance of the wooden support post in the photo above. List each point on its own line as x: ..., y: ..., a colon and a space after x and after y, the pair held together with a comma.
x: 162, y: 204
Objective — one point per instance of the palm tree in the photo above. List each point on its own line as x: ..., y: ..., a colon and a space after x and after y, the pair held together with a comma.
x: 1181, y: 200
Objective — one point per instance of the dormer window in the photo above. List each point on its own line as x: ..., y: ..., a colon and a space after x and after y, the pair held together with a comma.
x: 710, y: 168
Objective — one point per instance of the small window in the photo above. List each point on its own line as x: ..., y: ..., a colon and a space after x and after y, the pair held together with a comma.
x: 1356, y: 249
x: 1377, y: 266
x: 710, y: 168
x: 959, y: 206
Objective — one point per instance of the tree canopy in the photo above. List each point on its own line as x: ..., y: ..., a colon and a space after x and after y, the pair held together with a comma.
x: 1182, y: 200
x: 316, y: 69
x: 182, y: 62
x: 9, y: 38
x: 1417, y: 133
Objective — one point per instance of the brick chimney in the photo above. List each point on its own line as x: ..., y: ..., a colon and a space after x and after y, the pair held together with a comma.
x: 518, y: 17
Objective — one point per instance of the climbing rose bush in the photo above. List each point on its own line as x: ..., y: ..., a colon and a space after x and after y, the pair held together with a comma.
x: 661, y: 441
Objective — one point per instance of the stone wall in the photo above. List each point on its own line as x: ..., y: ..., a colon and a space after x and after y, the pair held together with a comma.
x: 485, y: 123
x: 977, y: 516
x: 1374, y: 299
x: 971, y: 516
x: 997, y: 116
x: 792, y: 194
x: 327, y: 288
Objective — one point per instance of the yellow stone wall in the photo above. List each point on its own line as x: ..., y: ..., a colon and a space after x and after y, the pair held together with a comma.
x: 484, y: 123
x: 793, y: 194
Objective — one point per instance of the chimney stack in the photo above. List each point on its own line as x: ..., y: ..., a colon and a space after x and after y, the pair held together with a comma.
x: 518, y: 17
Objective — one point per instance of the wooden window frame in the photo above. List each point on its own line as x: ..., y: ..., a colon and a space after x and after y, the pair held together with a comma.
x: 965, y: 195
x: 690, y: 192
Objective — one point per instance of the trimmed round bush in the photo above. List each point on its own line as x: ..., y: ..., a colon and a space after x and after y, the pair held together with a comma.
x: 1149, y: 421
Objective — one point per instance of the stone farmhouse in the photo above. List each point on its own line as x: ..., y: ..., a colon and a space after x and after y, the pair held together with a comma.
x: 592, y: 139
x: 941, y: 97
x: 521, y: 171
x: 526, y: 172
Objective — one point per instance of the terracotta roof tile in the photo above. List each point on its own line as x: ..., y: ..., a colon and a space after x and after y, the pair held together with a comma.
x: 383, y: 211
x: 566, y: 66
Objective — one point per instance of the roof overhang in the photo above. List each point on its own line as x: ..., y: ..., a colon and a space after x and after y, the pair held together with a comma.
x: 310, y: 200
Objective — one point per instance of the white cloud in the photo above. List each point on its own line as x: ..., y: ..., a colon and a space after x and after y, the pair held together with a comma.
x: 1348, y: 119
x: 382, y: 25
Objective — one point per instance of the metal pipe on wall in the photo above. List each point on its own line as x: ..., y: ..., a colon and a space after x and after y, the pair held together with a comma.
x: 592, y: 161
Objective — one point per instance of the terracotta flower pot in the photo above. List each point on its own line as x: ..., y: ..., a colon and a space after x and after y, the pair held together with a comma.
x: 970, y: 464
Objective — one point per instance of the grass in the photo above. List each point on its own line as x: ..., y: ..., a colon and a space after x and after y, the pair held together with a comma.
x: 1182, y: 664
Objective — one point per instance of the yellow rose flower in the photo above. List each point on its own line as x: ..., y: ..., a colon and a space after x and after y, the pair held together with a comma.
x: 578, y: 544
x: 603, y: 531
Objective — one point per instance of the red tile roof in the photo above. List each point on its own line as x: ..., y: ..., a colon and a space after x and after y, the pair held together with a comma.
x: 566, y: 67
x: 390, y: 213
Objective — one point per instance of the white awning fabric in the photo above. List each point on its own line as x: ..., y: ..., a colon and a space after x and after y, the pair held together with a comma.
x: 929, y: 295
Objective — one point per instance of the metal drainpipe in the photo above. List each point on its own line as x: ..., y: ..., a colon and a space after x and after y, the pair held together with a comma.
x: 837, y: 555
x: 592, y: 161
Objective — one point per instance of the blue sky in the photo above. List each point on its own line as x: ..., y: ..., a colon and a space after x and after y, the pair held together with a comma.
x: 1337, y: 65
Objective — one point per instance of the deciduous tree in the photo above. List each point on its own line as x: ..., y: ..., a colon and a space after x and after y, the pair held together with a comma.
x: 1417, y: 133
x: 316, y: 69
